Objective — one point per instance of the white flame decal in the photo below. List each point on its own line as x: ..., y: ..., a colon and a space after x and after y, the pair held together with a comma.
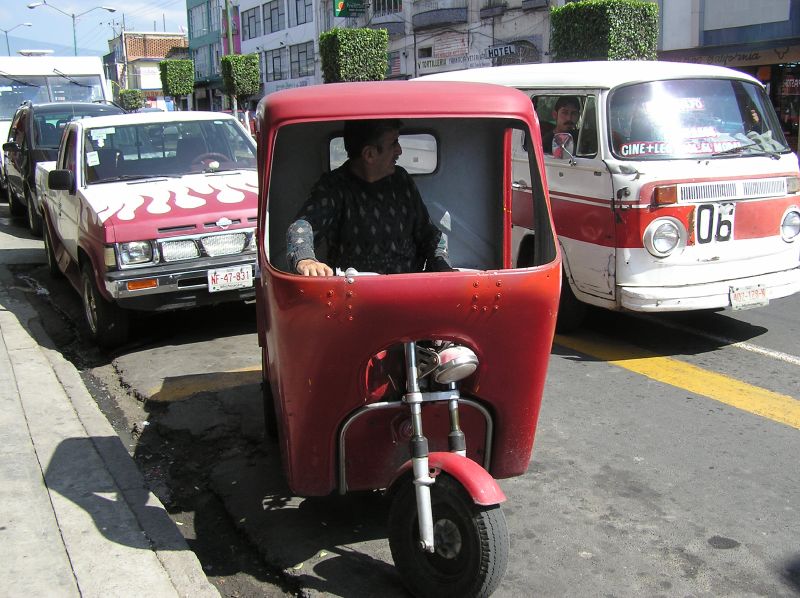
x: 160, y: 203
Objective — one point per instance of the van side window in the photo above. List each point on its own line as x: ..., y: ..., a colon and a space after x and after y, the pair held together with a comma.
x: 573, y: 113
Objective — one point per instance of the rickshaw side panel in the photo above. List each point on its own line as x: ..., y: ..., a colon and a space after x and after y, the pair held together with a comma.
x: 318, y: 390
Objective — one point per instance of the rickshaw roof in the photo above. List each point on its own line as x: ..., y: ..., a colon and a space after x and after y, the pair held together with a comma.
x: 394, y: 99
x: 588, y: 74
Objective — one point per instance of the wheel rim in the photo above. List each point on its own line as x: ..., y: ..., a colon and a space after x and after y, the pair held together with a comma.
x: 451, y: 557
x: 90, y: 305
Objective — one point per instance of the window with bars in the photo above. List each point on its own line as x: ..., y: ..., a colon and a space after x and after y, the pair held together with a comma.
x: 276, y: 63
x: 274, y: 16
x: 251, y: 23
x: 198, y: 21
x: 301, y: 58
x: 216, y: 14
x: 202, y: 68
x: 304, y: 11
x: 386, y: 7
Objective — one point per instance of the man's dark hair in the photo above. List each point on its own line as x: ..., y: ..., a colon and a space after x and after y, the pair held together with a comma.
x: 565, y: 101
x: 360, y: 133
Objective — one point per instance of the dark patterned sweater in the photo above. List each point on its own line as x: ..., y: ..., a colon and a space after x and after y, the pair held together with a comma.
x: 379, y: 227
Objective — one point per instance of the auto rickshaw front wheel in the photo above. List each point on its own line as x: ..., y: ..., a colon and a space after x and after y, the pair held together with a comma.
x: 470, y: 542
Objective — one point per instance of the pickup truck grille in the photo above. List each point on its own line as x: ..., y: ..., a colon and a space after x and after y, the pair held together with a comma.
x: 215, y: 245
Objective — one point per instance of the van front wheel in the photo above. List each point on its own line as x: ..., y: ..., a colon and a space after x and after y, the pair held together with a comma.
x: 571, y: 311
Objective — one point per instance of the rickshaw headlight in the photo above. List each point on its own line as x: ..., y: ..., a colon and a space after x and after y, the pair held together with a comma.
x: 663, y: 235
x: 790, y: 227
x: 455, y: 363
x: 135, y: 252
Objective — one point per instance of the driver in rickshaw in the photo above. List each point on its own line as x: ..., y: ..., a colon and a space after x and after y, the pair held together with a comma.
x: 368, y: 212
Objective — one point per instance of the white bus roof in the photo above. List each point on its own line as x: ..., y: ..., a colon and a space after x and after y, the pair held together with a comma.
x: 44, y: 65
x: 589, y: 74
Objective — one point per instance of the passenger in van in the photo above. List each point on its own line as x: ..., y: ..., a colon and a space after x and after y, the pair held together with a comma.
x: 368, y: 212
x: 753, y: 122
x: 566, y: 113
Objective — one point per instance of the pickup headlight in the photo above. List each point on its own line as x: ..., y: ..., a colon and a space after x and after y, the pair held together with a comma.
x: 135, y: 253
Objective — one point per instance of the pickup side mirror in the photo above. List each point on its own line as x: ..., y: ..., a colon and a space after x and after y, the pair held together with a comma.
x: 61, y: 180
x: 10, y: 146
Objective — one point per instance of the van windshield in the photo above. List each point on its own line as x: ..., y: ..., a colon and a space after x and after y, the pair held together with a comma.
x: 689, y: 118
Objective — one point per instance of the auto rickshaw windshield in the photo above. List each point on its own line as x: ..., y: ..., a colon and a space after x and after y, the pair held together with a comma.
x: 457, y: 164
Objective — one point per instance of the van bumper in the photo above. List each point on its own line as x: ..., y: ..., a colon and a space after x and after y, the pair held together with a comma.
x: 714, y: 295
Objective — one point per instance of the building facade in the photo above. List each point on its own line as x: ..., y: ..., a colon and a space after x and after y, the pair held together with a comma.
x: 208, y: 43
x: 425, y: 36
x: 132, y: 63
x: 761, y: 38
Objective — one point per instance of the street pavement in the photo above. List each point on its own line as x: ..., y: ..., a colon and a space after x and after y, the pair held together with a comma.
x: 77, y: 518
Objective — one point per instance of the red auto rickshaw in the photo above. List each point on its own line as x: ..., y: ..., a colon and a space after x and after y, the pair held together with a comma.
x: 425, y: 385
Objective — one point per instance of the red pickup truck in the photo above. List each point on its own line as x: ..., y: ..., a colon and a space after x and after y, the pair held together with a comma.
x: 150, y: 212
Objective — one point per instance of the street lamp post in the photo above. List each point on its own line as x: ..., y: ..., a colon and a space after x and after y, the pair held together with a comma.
x: 8, y: 48
x: 73, y: 16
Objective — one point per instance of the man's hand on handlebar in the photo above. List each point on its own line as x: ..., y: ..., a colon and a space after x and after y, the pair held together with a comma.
x: 309, y: 267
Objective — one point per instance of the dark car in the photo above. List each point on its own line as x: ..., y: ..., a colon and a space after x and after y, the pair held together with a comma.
x: 34, y: 137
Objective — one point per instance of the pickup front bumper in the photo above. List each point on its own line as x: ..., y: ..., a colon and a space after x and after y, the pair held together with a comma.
x: 178, y: 285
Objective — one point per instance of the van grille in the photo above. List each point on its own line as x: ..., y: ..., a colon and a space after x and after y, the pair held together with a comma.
x: 696, y: 192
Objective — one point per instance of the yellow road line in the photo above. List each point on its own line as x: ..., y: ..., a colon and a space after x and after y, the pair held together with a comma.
x: 777, y: 407
x: 182, y: 387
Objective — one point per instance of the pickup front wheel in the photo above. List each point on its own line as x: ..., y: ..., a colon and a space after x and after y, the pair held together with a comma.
x: 108, y: 323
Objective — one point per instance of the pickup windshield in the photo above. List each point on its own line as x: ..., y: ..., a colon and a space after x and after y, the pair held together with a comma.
x: 692, y: 118
x: 173, y: 148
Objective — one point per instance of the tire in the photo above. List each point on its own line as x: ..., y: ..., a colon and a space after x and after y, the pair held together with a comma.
x: 471, y: 542
x: 571, y: 312
x: 108, y: 323
x: 14, y: 206
x: 34, y: 218
x: 52, y: 263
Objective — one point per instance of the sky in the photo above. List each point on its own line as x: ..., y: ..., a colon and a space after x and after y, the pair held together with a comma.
x: 52, y: 30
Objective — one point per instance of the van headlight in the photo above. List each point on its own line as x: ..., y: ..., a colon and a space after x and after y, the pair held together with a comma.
x: 790, y: 226
x: 135, y: 253
x: 663, y: 235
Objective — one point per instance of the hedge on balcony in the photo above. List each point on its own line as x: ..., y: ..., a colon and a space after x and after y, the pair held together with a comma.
x: 604, y: 30
x: 354, y: 54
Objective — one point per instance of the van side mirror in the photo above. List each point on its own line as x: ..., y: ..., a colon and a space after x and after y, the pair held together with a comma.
x: 61, y: 180
x: 10, y: 146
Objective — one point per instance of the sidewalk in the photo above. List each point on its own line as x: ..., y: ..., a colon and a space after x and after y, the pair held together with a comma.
x: 76, y: 518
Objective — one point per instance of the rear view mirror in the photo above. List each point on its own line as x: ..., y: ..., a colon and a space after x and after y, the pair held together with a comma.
x: 10, y: 146
x: 60, y: 180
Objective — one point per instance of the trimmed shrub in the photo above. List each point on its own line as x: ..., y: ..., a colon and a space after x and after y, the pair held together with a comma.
x: 604, y: 30
x: 354, y: 54
x: 177, y: 77
x: 131, y: 99
x: 240, y: 74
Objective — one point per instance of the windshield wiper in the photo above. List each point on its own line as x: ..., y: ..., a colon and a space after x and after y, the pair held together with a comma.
x: 70, y: 79
x: 134, y: 177
x: 740, y: 148
x: 19, y: 81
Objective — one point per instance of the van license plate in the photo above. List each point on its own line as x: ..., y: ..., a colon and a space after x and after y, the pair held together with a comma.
x: 226, y: 279
x: 747, y: 297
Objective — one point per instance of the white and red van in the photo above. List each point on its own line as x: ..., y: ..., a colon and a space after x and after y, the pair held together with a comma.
x: 675, y: 191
